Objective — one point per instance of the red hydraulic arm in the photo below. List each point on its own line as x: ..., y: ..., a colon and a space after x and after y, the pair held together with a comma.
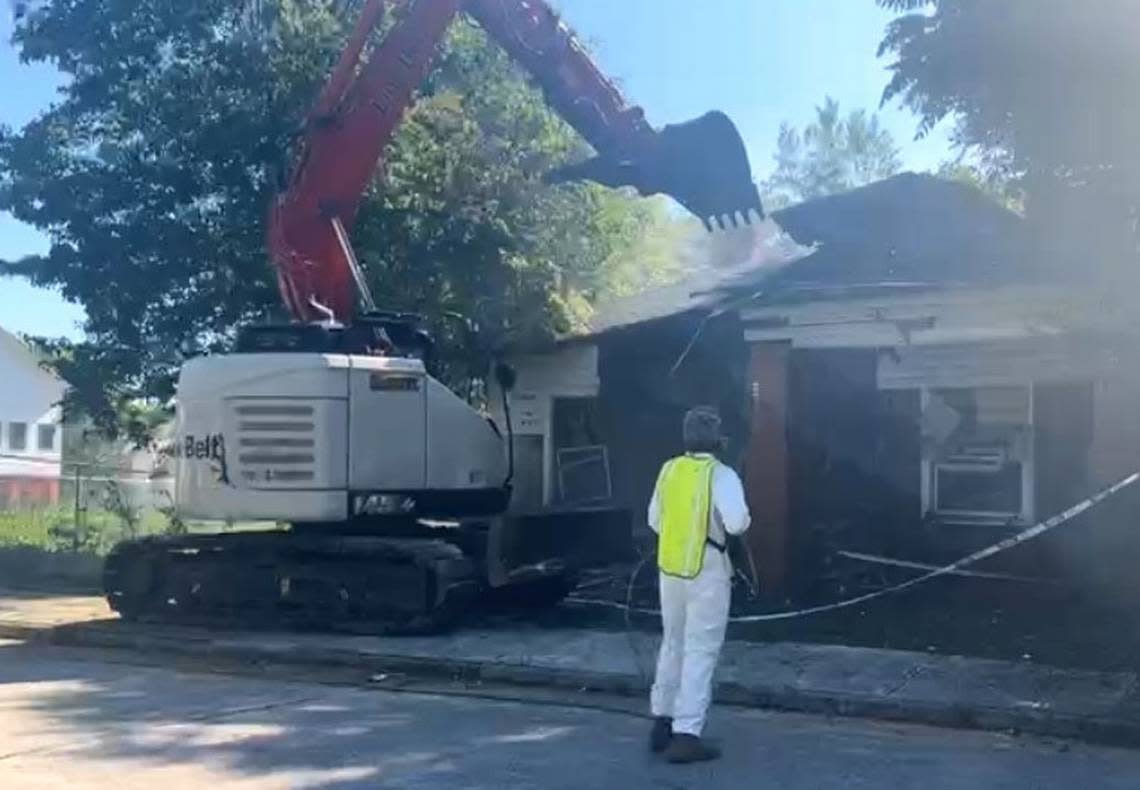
x: 701, y: 163
x: 572, y: 85
x: 354, y: 119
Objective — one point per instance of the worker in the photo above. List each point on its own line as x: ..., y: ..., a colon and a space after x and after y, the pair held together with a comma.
x: 697, y: 502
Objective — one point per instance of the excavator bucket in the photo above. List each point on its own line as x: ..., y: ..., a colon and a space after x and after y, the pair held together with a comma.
x: 702, y: 164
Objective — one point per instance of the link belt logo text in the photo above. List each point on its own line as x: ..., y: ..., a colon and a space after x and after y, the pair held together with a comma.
x: 211, y: 447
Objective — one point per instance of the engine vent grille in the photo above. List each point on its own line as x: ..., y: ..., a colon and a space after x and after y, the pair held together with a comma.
x: 276, y: 444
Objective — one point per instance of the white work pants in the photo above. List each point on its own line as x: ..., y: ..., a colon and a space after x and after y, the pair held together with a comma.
x: 694, y: 616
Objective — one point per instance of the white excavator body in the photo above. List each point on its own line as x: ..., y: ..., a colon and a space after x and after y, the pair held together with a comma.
x: 326, y: 438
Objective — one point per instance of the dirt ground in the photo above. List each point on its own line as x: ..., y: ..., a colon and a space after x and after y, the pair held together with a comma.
x: 984, y: 618
x: 951, y: 616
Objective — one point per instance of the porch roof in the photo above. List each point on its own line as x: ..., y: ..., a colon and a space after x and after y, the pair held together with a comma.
x: 910, y: 232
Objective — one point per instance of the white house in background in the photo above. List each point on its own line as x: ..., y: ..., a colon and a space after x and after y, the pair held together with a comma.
x: 30, y: 432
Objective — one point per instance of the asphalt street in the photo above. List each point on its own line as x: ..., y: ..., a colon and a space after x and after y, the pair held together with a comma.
x: 75, y: 719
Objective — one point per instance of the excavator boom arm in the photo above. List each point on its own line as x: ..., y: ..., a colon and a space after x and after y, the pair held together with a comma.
x: 701, y: 163
x: 353, y: 120
x: 535, y: 38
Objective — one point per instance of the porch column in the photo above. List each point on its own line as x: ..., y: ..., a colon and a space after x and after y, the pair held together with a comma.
x: 766, y: 463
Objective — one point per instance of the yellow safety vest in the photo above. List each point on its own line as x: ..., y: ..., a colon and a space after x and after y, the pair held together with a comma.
x: 684, y: 491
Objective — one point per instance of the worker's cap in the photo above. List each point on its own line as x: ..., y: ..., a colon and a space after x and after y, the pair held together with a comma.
x: 701, y: 428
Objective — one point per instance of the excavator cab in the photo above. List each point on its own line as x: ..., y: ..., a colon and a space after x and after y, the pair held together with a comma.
x: 702, y: 164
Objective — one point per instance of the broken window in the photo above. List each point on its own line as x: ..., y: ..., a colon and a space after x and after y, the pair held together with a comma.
x: 979, y: 453
x: 581, y: 457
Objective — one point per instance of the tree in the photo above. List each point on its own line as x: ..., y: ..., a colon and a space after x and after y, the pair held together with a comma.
x: 988, y: 183
x: 832, y: 154
x: 152, y: 173
x: 1043, y: 96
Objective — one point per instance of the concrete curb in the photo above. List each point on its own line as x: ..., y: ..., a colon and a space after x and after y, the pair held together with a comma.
x: 26, y: 632
x: 1121, y: 730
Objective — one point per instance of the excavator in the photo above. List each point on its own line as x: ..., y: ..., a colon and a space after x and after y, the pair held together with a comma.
x: 391, y: 493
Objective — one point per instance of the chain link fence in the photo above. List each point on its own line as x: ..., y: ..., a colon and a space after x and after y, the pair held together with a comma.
x: 85, y: 508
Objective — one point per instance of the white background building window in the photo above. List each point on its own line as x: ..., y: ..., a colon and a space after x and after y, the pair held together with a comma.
x: 45, y: 437
x: 17, y: 436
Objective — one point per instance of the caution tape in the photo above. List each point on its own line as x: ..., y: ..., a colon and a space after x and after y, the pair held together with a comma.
x: 875, y: 559
x: 989, y: 551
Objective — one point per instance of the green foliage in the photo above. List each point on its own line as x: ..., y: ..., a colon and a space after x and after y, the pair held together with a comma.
x: 832, y: 154
x: 100, y: 523
x: 31, y: 527
x: 175, y: 524
x: 152, y: 173
x: 1043, y: 96
x: 1000, y: 191
x: 54, y: 529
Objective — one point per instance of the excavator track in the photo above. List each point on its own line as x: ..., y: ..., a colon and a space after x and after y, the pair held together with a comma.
x: 355, y: 583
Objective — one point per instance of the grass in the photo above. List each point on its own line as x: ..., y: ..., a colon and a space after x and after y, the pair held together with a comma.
x: 39, y: 549
x: 28, y: 527
x: 53, y: 528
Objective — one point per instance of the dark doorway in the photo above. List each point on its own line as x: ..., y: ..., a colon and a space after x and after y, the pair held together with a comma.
x: 528, y: 482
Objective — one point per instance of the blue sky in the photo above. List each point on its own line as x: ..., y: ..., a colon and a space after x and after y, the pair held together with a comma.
x: 760, y: 61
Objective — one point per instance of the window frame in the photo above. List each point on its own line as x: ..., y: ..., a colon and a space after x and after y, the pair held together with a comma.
x: 40, y: 428
x: 23, y: 428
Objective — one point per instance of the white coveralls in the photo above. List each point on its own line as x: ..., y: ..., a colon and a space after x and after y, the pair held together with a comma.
x: 694, y: 612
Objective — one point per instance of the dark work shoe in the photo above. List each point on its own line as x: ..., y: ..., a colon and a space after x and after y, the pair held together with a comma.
x: 690, y: 749
x: 661, y: 734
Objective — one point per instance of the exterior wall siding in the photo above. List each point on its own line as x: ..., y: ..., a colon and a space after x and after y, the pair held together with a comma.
x: 568, y: 371
x: 29, y: 473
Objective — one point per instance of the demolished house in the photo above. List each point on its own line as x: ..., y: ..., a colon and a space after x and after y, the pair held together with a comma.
x: 920, y: 384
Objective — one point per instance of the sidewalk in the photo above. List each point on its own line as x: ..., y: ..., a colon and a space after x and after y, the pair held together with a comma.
x: 885, y: 684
